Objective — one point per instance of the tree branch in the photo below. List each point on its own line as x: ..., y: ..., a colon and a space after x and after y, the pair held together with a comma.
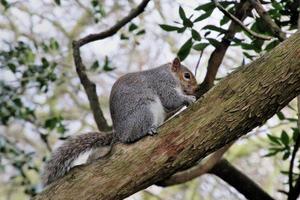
x: 242, y: 10
x: 196, y: 171
x: 245, y: 99
x: 233, y: 18
x: 294, y: 191
x: 90, y: 90
x: 89, y: 86
x: 239, y: 181
x: 275, y: 29
x: 111, y: 31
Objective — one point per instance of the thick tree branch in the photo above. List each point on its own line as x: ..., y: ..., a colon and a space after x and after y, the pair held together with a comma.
x: 236, y: 20
x: 275, y: 29
x: 239, y: 181
x: 240, y: 102
x: 89, y: 86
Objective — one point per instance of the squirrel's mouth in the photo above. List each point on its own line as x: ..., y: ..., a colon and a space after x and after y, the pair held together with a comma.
x: 188, y: 92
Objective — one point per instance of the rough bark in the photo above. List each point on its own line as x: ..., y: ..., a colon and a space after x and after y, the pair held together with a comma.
x: 242, y: 101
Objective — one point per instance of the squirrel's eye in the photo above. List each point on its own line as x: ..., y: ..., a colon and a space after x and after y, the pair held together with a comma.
x: 187, y: 75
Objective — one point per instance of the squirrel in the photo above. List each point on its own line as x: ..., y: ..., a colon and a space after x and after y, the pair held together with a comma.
x: 139, y: 104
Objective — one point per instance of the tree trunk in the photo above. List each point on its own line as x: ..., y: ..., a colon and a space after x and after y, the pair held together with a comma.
x: 242, y: 101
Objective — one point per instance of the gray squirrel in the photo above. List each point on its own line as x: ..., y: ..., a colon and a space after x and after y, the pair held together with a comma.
x: 139, y: 104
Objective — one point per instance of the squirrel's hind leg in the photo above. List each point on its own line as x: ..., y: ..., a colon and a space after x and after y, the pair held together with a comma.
x: 143, y: 121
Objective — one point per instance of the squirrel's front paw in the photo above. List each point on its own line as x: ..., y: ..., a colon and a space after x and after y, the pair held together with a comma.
x: 152, y: 131
x: 189, y: 100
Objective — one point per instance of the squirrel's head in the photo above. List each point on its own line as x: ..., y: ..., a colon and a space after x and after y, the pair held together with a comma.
x: 187, y: 79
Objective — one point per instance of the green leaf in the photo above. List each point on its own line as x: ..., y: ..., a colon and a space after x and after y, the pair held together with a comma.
x: 224, y: 20
x: 12, y: 67
x: 274, y: 139
x: 186, y: 22
x: 141, y: 32
x: 181, y: 30
x: 57, y: 2
x: 182, y: 13
x: 53, y: 44
x: 257, y: 44
x: 200, y: 46
x: 5, y: 4
x: 169, y: 28
x: 214, y: 28
x: 271, y: 45
x: 248, y: 55
x: 94, y: 3
x: 95, y: 65
x: 107, y: 66
x: 124, y: 37
x: 207, y: 33
x: 247, y: 46
x: 286, y: 155
x: 196, y: 35
x: 272, y: 153
x: 50, y: 123
x: 206, y: 7
x: 213, y: 42
x: 61, y: 129
x: 280, y: 115
x: 185, y: 49
x: 203, y: 16
x: 132, y: 27
x: 284, y: 138
x: 45, y: 62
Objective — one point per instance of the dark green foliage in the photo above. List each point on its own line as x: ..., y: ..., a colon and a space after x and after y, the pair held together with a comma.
x: 287, y: 145
x: 185, y: 49
x: 21, y: 63
x: 106, y: 67
x: 133, y: 32
x: 98, y: 10
x: 279, y: 10
x: 27, y: 71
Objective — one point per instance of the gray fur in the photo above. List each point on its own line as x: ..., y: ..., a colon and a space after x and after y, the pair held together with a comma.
x: 131, y: 96
x: 62, y: 158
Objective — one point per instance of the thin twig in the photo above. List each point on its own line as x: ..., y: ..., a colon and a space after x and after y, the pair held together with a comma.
x: 268, y: 21
x: 236, y: 20
x: 89, y: 86
x: 198, y: 62
x: 111, y: 31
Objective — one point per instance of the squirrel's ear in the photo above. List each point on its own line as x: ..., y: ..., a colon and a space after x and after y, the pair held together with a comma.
x: 176, y: 64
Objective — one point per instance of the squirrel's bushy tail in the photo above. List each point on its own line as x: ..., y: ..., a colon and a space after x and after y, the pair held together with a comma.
x: 62, y: 158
